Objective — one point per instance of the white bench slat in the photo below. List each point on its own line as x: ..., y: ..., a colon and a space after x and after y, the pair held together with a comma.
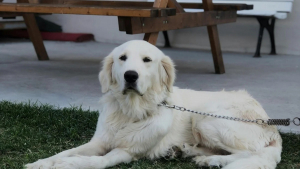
x: 265, y: 5
x: 270, y: 8
x: 12, y: 25
x: 278, y: 15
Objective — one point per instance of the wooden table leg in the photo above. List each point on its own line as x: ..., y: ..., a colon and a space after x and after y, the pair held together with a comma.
x: 152, y: 37
x: 35, y: 34
x: 214, y: 41
x: 216, y: 49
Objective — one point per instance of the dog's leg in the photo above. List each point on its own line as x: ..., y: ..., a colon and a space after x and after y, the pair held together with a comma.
x: 219, y: 160
x: 92, y: 148
x: 190, y: 151
x: 112, y: 158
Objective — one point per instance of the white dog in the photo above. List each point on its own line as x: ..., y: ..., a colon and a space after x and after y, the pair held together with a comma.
x: 135, y: 78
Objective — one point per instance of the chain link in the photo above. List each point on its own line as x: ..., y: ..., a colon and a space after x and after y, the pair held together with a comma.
x: 284, y: 122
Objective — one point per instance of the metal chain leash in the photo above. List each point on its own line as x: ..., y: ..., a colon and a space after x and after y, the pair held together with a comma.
x: 278, y: 122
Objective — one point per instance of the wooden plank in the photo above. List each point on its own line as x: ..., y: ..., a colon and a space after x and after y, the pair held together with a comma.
x: 262, y: 5
x: 34, y: 1
x: 152, y: 37
x: 53, y: 1
x: 85, y: 10
x: 13, y: 14
x: 180, y: 21
x: 214, y: 41
x: 10, y: 14
x: 219, y: 6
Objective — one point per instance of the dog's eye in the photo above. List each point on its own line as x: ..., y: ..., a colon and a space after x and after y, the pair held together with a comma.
x: 146, y: 59
x: 123, y: 57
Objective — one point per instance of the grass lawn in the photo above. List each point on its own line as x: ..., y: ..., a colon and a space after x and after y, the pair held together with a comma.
x: 29, y: 132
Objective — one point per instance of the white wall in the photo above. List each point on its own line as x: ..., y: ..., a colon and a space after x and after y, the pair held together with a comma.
x: 237, y: 37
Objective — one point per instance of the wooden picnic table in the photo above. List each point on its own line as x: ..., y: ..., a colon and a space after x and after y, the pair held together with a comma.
x: 133, y: 18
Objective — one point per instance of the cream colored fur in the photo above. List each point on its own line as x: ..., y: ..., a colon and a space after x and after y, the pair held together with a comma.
x: 131, y: 125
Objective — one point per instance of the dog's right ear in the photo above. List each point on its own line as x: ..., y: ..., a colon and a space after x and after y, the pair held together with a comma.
x: 105, y: 75
x: 168, y: 73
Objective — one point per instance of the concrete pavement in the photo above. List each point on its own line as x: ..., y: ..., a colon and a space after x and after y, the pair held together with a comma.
x: 71, y: 76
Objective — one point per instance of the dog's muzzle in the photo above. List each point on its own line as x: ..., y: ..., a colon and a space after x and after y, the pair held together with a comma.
x: 131, y: 78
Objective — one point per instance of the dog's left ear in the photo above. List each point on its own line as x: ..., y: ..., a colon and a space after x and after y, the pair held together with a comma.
x: 168, y: 73
x: 105, y: 75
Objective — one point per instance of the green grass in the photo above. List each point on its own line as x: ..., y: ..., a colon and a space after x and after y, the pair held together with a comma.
x: 30, y: 131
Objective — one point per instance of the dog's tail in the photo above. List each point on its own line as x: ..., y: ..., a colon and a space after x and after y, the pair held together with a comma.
x: 266, y: 158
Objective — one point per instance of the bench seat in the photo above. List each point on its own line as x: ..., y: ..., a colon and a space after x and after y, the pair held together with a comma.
x: 269, y: 8
x: 266, y: 12
x: 251, y: 13
x: 87, y: 10
x: 133, y: 17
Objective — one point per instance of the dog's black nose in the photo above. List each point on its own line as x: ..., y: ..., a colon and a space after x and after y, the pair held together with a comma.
x: 131, y: 76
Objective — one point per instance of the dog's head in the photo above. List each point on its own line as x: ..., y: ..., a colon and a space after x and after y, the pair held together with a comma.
x: 137, y: 67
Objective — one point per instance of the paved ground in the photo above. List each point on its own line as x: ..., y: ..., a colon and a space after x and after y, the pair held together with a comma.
x: 70, y: 77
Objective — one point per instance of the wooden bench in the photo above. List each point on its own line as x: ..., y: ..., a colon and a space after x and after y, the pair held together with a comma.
x: 266, y: 12
x: 133, y: 18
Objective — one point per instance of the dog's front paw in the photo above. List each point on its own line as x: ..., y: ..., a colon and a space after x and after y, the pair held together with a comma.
x: 40, y: 164
x: 80, y: 162
x: 209, y: 161
x: 187, y: 150
x: 66, y: 163
x: 173, y: 152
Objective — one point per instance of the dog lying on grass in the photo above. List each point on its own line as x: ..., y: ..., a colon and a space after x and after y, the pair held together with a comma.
x: 135, y: 78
